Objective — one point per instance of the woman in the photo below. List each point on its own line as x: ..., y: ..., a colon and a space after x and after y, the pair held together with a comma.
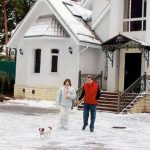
x: 65, y: 96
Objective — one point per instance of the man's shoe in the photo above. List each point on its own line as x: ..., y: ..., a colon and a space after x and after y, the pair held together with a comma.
x: 83, y: 128
x: 91, y: 130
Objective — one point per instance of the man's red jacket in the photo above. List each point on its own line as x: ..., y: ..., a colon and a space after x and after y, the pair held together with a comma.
x: 91, y: 93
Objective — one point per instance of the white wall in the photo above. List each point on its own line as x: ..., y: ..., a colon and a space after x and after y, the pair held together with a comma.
x: 102, y: 29
x: 68, y: 63
x: 97, y: 8
x: 113, y: 73
x: 147, y: 69
x: 116, y: 17
x: 102, y: 67
x: 89, y: 61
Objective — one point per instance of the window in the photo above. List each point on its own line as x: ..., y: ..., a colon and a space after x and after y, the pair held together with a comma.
x: 54, y: 63
x: 37, y: 60
x: 134, y: 15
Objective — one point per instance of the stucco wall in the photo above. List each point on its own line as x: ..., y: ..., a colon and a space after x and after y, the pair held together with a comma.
x: 97, y: 8
x: 89, y: 61
x: 116, y: 17
x: 68, y: 64
x: 113, y: 73
x: 102, y: 28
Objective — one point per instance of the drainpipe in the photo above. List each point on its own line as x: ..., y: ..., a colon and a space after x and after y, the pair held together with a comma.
x: 84, y: 49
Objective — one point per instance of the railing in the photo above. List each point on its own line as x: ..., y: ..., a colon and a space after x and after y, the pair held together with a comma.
x: 140, y: 85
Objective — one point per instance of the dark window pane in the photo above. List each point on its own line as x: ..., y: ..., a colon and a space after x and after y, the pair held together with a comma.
x: 56, y: 51
x: 126, y: 9
x: 136, y: 8
x: 144, y: 25
x: 135, y: 25
x: 54, y: 63
x: 125, y: 26
x: 37, y: 62
x: 145, y: 6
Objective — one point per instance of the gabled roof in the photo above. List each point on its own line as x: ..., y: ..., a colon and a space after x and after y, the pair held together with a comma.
x: 74, y: 21
x: 74, y: 24
x: 123, y: 41
x: 46, y: 26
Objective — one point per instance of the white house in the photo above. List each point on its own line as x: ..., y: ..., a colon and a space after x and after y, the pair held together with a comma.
x: 59, y: 38
x: 53, y: 43
x: 130, y: 18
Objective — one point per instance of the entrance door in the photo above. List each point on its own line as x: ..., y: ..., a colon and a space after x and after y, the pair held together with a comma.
x: 132, y: 68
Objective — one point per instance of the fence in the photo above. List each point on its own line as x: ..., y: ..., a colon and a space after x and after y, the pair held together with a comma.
x: 7, y: 77
x: 9, y: 67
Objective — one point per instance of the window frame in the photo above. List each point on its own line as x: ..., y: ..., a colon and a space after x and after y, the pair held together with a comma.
x: 34, y: 60
x: 51, y: 56
x: 128, y: 20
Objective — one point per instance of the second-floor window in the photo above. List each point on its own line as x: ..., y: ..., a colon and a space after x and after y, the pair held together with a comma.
x: 134, y: 15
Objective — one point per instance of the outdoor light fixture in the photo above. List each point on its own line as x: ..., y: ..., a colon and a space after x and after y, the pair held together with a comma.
x: 119, y: 39
x: 21, y: 51
x: 70, y: 50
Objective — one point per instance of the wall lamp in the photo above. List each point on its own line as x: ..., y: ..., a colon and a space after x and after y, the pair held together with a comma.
x: 21, y: 51
x: 70, y: 50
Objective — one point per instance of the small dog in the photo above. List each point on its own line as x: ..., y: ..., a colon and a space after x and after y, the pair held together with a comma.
x: 45, y: 132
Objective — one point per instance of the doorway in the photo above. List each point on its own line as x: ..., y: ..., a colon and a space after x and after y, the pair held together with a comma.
x: 132, y: 68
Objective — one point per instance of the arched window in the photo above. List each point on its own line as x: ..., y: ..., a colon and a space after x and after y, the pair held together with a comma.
x: 54, y: 60
x: 37, y: 60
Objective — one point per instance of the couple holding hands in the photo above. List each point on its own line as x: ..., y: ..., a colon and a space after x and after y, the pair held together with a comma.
x: 66, y: 94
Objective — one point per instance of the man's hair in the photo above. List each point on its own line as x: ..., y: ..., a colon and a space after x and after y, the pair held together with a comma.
x: 67, y: 80
x: 90, y: 76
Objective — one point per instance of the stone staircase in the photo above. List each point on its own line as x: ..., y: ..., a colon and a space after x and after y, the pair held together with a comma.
x: 108, y: 101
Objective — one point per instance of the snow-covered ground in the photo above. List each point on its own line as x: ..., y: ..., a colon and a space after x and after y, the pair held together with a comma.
x: 21, y: 119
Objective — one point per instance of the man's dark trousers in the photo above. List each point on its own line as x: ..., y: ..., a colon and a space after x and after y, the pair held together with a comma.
x: 92, y: 109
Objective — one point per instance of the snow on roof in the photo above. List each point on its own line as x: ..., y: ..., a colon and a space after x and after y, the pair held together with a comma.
x: 77, y: 10
x: 46, y: 26
x: 75, y: 24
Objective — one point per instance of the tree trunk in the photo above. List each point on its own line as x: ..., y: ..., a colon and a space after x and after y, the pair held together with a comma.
x: 5, y: 25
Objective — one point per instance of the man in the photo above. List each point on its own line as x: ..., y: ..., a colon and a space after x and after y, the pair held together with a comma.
x: 91, y: 93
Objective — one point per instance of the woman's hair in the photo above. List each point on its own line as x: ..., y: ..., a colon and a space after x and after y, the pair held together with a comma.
x: 67, y: 80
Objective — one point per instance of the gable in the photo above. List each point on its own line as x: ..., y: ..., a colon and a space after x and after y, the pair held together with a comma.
x: 47, y: 26
x: 68, y: 24
x: 40, y: 7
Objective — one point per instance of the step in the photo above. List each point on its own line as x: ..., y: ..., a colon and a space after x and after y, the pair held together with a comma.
x: 109, y: 96
x: 109, y: 93
x: 107, y: 102
x: 106, y: 98
x: 108, y: 105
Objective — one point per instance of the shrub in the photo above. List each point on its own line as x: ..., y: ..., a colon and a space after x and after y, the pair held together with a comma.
x: 1, y: 81
x: 5, y: 85
x: 11, y: 86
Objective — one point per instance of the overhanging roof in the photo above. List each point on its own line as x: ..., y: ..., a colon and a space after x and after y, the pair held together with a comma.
x: 124, y: 42
x: 121, y: 41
